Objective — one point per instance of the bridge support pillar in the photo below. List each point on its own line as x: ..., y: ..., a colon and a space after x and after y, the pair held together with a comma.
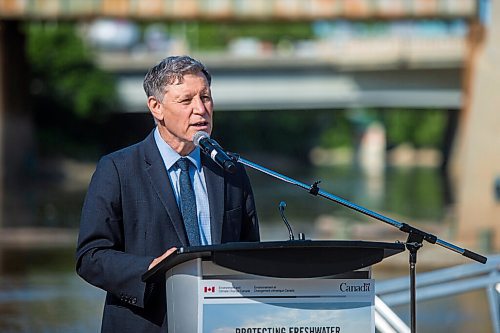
x: 16, y: 127
x: 478, y: 163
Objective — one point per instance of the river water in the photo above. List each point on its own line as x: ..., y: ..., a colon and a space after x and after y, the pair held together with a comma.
x: 39, y: 291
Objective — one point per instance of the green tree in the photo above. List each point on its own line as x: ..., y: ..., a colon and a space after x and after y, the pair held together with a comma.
x: 430, y: 130
x: 337, y: 130
x: 422, y: 128
x: 71, y: 97
x: 64, y: 72
x: 215, y: 36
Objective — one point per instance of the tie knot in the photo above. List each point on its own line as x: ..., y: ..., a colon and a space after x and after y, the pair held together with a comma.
x: 183, y: 163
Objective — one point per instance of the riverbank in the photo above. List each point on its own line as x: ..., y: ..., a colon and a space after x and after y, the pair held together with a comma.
x: 37, y: 237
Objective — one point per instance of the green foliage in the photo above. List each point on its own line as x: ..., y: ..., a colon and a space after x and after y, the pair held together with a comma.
x: 286, y: 132
x: 215, y: 36
x: 399, y: 126
x: 64, y: 73
x: 431, y: 129
x: 272, y: 131
x: 422, y: 128
x: 268, y: 31
x: 339, y: 131
x: 71, y: 97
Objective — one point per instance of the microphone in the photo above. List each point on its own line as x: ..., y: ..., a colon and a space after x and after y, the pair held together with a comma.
x: 281, y: 208
x: 211, y: 148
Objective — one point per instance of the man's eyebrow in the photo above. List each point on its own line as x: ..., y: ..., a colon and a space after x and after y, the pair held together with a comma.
x: 183, y: 96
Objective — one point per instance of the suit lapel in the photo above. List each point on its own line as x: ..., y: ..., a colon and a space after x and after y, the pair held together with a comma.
x: 161, y: 185
x: 214, y: 178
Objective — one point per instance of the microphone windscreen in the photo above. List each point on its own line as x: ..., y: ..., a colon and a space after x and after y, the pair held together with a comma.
x: 198, y: 136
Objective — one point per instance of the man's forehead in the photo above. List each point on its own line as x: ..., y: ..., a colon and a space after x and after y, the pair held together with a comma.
x: 181, y: 78
x: 179, y: 87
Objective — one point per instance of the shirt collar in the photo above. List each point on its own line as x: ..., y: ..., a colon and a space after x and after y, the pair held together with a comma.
x: 170, y: 156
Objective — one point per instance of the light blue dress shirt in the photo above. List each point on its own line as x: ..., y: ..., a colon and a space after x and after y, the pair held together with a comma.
x: 170, y: 157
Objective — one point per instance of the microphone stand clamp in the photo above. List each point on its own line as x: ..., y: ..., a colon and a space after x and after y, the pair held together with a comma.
x: 314, y: 189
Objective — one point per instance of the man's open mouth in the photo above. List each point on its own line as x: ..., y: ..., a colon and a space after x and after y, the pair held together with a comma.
x: 200, y: 124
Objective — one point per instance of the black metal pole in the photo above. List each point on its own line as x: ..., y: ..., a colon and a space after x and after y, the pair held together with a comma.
x: 413, y: 244
x: 413, y: 296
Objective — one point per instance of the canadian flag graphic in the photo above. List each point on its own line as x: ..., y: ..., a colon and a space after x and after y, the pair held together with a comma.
x: 209, y: 289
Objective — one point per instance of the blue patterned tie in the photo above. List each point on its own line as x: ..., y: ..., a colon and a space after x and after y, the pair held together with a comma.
x: 188, y: 203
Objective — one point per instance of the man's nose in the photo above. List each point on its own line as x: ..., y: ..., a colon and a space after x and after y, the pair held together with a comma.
x: 199, y: 106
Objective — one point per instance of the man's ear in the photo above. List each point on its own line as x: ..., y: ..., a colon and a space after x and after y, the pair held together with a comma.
x: 155, y: 107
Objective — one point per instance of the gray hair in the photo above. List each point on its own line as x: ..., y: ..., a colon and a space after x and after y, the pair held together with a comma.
x: 170, y: 70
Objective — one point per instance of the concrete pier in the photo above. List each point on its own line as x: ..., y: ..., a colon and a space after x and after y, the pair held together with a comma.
x: 17, y: 149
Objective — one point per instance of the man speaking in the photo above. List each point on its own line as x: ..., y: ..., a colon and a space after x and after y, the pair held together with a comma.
x: 146, y: 200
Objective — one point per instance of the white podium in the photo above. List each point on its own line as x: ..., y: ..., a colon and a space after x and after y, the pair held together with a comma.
x: 273, y: 287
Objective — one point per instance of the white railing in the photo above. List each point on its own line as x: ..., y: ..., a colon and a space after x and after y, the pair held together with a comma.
x: 436, y: 284
x: 386, y: 321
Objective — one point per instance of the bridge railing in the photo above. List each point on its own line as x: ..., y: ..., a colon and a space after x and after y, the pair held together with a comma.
x: 238, y: 10
x: 386, y: 321
x: 440, y: 283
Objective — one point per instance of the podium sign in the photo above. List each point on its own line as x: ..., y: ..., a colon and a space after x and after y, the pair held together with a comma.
x: 286, y: 306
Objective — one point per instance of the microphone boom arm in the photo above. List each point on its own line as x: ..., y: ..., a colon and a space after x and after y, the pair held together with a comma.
x: 315, y: 190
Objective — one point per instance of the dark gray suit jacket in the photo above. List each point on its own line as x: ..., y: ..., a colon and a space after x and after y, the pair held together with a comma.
x: 130, y: 216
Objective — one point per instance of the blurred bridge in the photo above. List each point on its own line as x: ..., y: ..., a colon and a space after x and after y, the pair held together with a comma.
x: 369, y: 72
x: 401, y: 74
x: 237, y: 9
